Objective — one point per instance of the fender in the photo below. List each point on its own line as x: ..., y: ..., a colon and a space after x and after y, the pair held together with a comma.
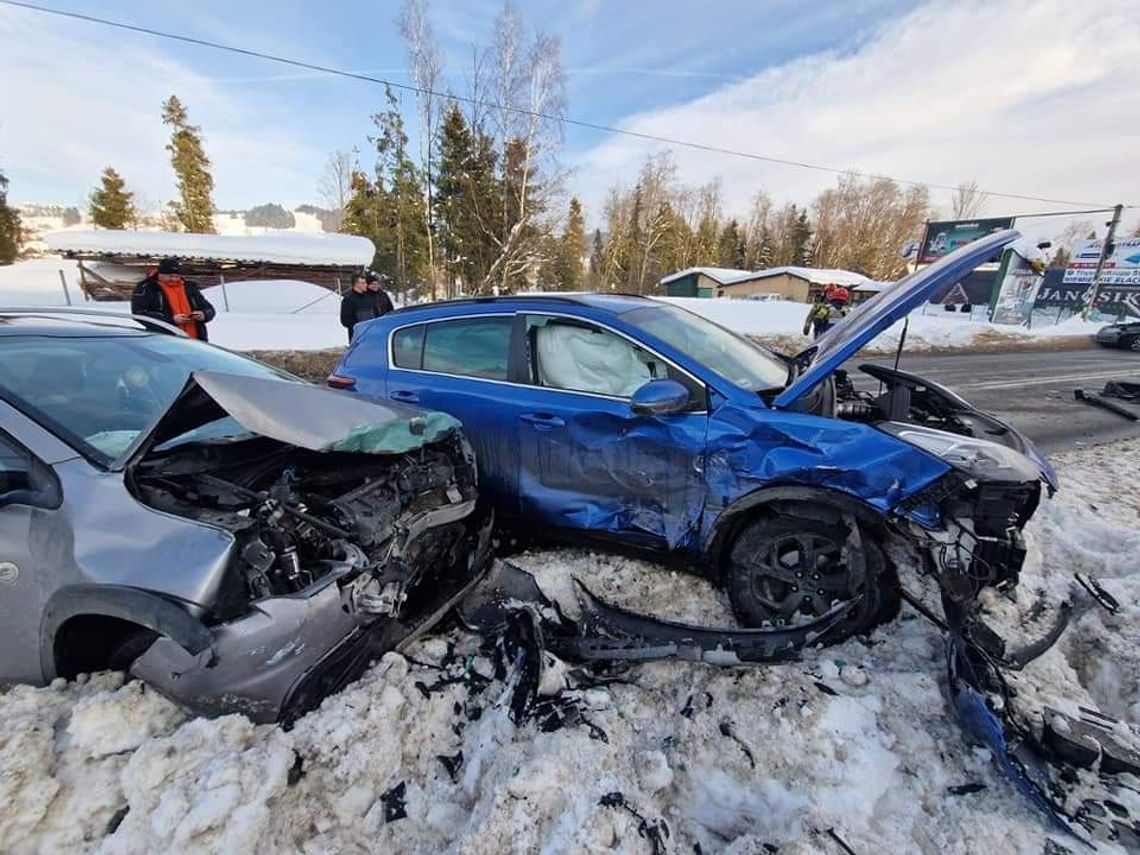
x: 138, y: 606
x: 720, y: 535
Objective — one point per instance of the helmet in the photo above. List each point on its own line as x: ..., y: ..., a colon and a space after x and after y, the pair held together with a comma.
x: 837, y: 293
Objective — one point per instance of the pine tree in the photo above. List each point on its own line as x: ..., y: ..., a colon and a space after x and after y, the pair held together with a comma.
x: 571, y: 249
x: 730, y: 247
x: 801, y: 240
x: 10, y: 231
x: 112, y: 204
x: 597, y: 262
x: 195, y: 209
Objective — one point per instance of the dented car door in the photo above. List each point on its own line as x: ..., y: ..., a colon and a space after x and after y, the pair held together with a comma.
x: 586, y: 459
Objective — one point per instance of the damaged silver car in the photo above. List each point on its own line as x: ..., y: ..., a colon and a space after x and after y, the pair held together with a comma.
x: 241, y: 540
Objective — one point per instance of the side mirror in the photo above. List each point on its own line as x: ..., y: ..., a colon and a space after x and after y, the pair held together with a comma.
x: 659, y: 398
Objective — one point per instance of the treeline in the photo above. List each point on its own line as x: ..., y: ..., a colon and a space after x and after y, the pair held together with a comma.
x: 659, y: 226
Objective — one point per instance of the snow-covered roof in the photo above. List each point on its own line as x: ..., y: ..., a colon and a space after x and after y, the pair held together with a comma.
x: 815, y: 275
x: 288, y: 248
x: 722, y: 275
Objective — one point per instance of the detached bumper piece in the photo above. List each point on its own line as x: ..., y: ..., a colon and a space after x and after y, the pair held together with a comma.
x: 606, y: 633
x: 1092, y: 762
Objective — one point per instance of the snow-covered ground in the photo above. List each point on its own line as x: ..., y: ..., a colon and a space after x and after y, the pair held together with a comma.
x: 854, y: 741
x: 779, y: 323
x: 269, y: 315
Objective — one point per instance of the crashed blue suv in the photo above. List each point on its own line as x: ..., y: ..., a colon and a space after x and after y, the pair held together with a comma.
x: 637, y: 422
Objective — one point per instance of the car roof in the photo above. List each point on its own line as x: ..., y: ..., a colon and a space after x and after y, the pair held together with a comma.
x: 77, y: 323
x: 616, y: 303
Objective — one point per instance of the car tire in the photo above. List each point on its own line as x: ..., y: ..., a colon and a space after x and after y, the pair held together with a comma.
x: 1132, y: 344
x: 127, y: 649
x: 785, y: 570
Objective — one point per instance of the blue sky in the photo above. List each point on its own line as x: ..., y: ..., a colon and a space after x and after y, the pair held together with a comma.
x: 850, y: 84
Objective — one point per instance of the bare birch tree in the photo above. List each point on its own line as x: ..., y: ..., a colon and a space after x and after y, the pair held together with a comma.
x: 335, y: 185
x: 427, y: 68
x: 968, y: 201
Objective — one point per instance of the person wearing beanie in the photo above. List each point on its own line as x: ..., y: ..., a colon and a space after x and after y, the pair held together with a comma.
x: 358, y: 304
x: 165, y: 295
x: 376, y: 283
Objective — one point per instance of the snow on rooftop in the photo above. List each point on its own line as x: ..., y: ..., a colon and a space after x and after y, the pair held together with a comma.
x: 289, y: 248
x: 817, y: 276
x: 723, y: 275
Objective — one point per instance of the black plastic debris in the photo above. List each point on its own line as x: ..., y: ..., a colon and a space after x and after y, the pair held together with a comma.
x: 395, y: 806
x: 1123, y: 389
x: 834, y: 835
x: 296, y: 771
x: 453, y: 765
x: 117, y: 819
x: 727, y: 729
x: 655, y: 832
x: 1095, y: 400
x: 826, y: 689
x: 966, y: 789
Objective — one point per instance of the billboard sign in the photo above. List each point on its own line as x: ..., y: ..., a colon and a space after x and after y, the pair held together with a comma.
x: 944, y: 237
x: 1122, y: 267
x: 1014, y: 301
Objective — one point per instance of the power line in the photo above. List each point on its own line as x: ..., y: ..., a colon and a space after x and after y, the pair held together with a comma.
x: 324, y: 69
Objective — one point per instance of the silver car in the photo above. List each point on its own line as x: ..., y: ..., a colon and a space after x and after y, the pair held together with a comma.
x: 240, y: 539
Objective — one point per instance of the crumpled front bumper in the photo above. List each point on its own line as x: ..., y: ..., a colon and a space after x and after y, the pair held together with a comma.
x: 281, y: 659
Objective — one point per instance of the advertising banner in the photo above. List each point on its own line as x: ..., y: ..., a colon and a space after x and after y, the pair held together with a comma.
x: 1018, y: 291
x: 1122, y: 267
x: 944, y: 237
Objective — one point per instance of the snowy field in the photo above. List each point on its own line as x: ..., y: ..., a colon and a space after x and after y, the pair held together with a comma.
x: 284, y: 315
x: 852, y: 743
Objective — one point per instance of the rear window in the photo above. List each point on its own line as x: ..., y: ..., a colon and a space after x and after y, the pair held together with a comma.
x: 469, y: 347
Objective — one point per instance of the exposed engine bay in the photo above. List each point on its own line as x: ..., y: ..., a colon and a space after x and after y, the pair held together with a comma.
x: 299, y: 516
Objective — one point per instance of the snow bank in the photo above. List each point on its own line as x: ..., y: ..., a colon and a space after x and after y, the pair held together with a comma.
x: 280, y: 248
x: 420, y: 754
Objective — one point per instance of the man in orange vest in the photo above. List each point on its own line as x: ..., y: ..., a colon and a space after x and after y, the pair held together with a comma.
x: 165, y: 295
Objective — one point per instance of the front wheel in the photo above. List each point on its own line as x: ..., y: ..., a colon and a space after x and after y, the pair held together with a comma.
x: 785, y: 571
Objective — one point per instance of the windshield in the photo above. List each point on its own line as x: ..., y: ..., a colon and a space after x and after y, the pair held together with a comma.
x: 733, y: 357
x: 101, y: 392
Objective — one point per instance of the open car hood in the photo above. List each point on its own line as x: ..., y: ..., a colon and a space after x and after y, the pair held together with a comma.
x: 296, y: 413
x: 896, y: 301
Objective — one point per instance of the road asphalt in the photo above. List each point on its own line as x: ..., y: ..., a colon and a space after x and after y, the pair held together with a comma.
x: 1032, y: 391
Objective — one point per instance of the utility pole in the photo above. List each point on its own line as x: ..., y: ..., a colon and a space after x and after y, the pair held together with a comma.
x: 1105, y: 249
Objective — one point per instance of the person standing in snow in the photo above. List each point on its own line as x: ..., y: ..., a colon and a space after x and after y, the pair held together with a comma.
x: 165, y: 295
x: 376, y: 283
x: 358, y: 305
x: 818, y: 319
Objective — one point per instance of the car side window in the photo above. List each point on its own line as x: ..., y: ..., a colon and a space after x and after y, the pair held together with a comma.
x: 15, y: 473
x: 408, y: 347
x: 469, y: 347
x: 577, y: 356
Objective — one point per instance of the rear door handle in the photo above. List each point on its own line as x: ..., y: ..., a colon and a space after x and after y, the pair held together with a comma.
x: 405, y: 395
x: 542, y: 421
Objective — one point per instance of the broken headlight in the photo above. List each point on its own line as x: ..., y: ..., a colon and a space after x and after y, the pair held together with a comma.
x: 978, y: 458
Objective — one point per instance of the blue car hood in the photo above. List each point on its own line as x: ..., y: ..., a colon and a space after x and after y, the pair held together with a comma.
x: 896, y: 301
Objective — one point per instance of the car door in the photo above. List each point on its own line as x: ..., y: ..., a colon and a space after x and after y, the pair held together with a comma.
x: 460, y: 366
x: 28, y: 492
x: 586, y: 460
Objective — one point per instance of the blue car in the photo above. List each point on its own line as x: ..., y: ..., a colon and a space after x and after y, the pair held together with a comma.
x: 635, y: 422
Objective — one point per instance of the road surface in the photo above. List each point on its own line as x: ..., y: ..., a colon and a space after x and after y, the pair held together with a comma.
x: 1032, y: 391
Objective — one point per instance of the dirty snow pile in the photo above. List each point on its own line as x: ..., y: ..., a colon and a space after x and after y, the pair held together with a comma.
x: 853, y: 743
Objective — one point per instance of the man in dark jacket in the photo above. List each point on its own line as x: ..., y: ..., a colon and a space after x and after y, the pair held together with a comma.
x: 358, y: 305
x: 376, y: 283
x: 165, y: 295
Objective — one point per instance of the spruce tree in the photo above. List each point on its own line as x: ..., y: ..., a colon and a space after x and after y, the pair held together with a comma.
x: 597, y: 261
x: 730, y: 247
x: 801, y: 240
x: 10, y: 232
x: 112, y: 204
x: 195, y: 208
x: 571, y: 250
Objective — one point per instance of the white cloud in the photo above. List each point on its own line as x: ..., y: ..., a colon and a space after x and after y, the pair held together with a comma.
x: 77, y: 99
x: 1036, y: 97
